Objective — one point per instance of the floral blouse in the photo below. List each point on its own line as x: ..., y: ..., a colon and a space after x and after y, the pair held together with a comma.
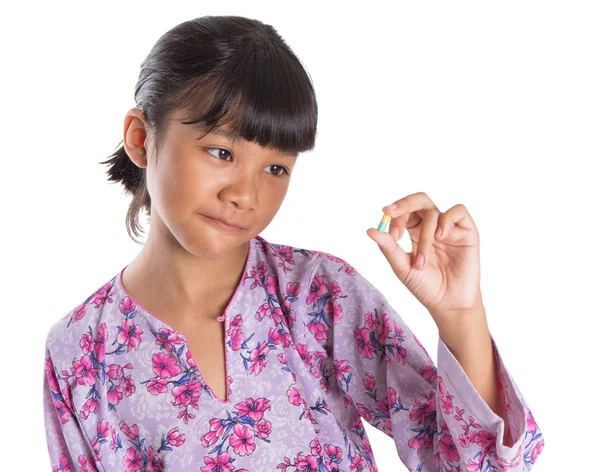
x: 312, y: 349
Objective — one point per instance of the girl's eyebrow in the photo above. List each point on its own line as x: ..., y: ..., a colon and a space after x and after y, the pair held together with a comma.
x: 227, y: 133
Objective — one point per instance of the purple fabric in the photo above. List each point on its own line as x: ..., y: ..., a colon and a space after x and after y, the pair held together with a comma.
x: 311, y: 348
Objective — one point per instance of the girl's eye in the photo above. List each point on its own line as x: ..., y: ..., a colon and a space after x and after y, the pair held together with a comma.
x: 218, y: 149
x: 280, y: 170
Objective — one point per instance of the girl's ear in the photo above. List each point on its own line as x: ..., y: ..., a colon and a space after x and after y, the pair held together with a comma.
x: 134, y: 137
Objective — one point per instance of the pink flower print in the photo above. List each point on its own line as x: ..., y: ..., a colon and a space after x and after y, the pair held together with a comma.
x: 67, y: 397
x: 275, y: 336
x: 113, y: 437
x: 306, y: 356
x: 133, y: 460
x: 155, y: 463
x: 102, y: 428
x: 165, y: 365
x: 168, y: 339
x: 369, y: 381
x: 130, y: 334
x: 324, y: 386
x: 486, y: 441
x: 78, y: 313
x: 333, y: 452
x: 292, y: 289
x: 423, y: 408
x: 536, y: 450
x: 261, y: 270
x: 283, y: 252
x: 216, y: 430
x: 366, y: 446
x: 384, y: 328
x: 236, y: 322
x: 84, y: 464
x: 102, y: 334
x: 114, y: 394
x: 272, y: 283
x: 175, y: 438
x: 318, y: 288
x: 309, y: 463
x: 334, y: 309
x: 190, y: 360
x: 391, y: 396
x: 187, y: 394
x: 157, y: 386
x: 445, y: 430
x: 90, y: 406
x: 263, y: 428
x: 127, y: 305
x: 286, y: 308
x: 400, y: 336
x: 259, y: 358
x: 52, y: 381
x: 128, y: 387
x: 472, y: 466
x: 335, y: 289
x: 448, y: 449
x: 113, y: 371
x: 96, y: 453
x: 131, y: 432
x: 237, y: 339
x: 446, y: 402
x: 64, y: 465
x: 219, y: 464
x: 254, y: 409
x: 340, y: 368
x: 362, y: 337
x: 429, y: 373
x: 63, y: 412
x: 315, y: 447
x: 387, y: 424
x: 531, y: 424
x: 294, y: 396
x: 262, y: 311
x: 370, y: 321
x: 242, y: 440
x: 86, y: 343
x: 417, y: 442
x: 319, y: 330
x: 84, y: 372
x: 101, y: 295
x: 277, y: 315
x: 364, y: 411
x: 100, y: 345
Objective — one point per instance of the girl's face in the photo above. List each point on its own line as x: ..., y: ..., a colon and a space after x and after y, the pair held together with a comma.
x: 195, y: 179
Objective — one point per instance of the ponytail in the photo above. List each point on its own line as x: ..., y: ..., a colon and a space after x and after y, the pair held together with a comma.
x: 133, y: 178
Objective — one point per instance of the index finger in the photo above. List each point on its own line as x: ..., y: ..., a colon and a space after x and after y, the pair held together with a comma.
x: 410, y: 203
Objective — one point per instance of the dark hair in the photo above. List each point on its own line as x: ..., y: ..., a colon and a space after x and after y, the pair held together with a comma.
x: 220, y: 68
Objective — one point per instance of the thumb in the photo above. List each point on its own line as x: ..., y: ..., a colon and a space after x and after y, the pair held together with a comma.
x: 395, y: 255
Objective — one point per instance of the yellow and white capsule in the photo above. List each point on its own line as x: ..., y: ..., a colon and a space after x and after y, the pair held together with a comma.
x: 384, y: 224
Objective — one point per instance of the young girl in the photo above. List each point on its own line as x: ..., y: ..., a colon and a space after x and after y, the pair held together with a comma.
x: 215, y: 350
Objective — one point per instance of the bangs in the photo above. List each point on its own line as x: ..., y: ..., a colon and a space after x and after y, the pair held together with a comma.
x: 261, y: 93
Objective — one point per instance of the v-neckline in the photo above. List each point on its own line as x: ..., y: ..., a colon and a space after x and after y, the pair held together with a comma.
x: 222, y: 318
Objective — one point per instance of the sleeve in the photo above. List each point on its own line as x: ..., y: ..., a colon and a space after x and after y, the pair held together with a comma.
x: 438, y: 420
x: 67, y: 443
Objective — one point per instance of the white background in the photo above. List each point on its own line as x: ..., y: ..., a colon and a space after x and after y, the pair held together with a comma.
x: 495, y: 106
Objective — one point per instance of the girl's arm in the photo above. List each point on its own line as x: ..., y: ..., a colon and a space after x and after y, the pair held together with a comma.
x: 67, y: 443
x: 386, y: 376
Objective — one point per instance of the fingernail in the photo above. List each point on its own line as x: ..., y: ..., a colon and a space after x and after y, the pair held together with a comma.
x: 420, y: 261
